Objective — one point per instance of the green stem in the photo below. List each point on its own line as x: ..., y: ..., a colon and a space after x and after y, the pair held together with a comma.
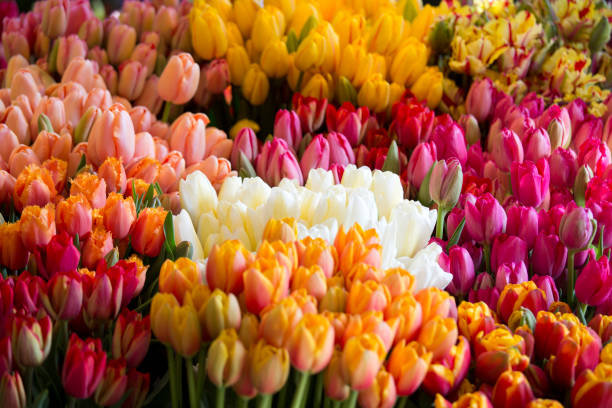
x: 326, y: 402
x: 300, y: 392
x: 571, y: 278
x: 486, y: 249
x: 143, y: 305
x: 440, y: 223
x: 179, y: 380
x: 281, y: 400
x: 352, y: 399
x: 172, y: 375
x: 264, y: 401
x: 243, y: 402
x: 72, y: 402
x: 220, y: 398
x: 201, y: 376
x: 29, y: 384
x: 318, y: 392
x: 193, y: 401
x: 401, y: 402
x: 166, y: 113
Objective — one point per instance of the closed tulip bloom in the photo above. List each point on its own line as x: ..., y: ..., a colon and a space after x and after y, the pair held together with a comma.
x: 512, y: 389
x: 113, y: 384
x: 69, y: 48
x: 217, y: 76
x: 147, y: 232
x: 48, y: 145
x: 549, y: 255
x: 428, y: 87
x: 150, y: 97
x: 98, y: 244
x: 505, y: 147
x: 510, y: 273
x: 13, y: 254
x: 445, y: 183
x: 366, y: 296
x: 316, y: 155
x: 226, y: 265
x: 131, y: 337
x: 421, y: 160
x: 576, y: 228
x: 179, y: 80
x: 55, y: 18
x: 185, y: 331
x: 275, y: 59
x: 414, y: 55
x: 255, y: 86
x: 537, y: 145
x: 119, y: 214
x: 92, y: 32
x: 515, y: 296
x: 37, y: 226
x: 244, y: 143
x: 61, y: 256
x: 479, y: 101
x: 506, y: 249
x: 120, y: 43
x: 340, y: 151
x: 31, y: 340
x: 594, y: 283
x: 222, y: 312
x: 382, y: 393
x: 132, y: 76
x: 462, y: 269
x: 178, y: 277
x: 593, y: 388
x: 16, y: 120
x: 278, y: 322
x: 8, y: 142
x: 162, y: 308
x: 374, y: 93
x: 23, y: 82
x: 287, y: 127
x: 15, y: 43
x: 311, y: 344
x: 408, y: 365
x: 239, y: 63
x: 64, y: 296
x: 83, y: 367
x: 485, y: 218
x: 12, y: 393
x: 530, y: 181
x: 208, y: 32
x: 276, y: 161
x: 268, y: 367
x: 188, y: 136
x: 226, y: 359
x: 361, y: 359
x: 114, y: 123
x: 74, y: 215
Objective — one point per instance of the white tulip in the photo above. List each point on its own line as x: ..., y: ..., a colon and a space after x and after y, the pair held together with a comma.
x: 319, y: 180
x: 357, y: 177
x: 230, y: 189
x: 331, y: 205
x: 388, y: 191
x: 415, y: 223
x: 184, y: 231
x: 360, y: 209
x: 208, y: 224
x: 197, y: 195
x: 254, y: 192
x: 425, y: 268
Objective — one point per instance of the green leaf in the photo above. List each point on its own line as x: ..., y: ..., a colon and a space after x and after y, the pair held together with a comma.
x: 159, y: 385
x: 424, y: 195
x: 82, y: 163
x: 148, y: 198
x: 169, y: 232
x: 600, y: 35
x: 306, y: 28
x: 112, y: 257
x: 456, y: 235
x: 392, y: 160
x: 44, y: 123
x: 53, y: 57
x: 600, y: 247
x: 410, y: 11
x: 76, y: 241
x: 246, y: 168
x: 292, y: 42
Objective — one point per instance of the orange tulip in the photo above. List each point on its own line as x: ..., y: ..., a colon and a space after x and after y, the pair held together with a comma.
x: 357, y: 245
x: 185, y: 331
x: 371, y: 322
x: 408, y: 365
x: 37, y: 226
x: 13, y: 254
x: 381, y: 394
x: 268, y: 367
x: 311, y: 279
x: 265, y: 282
x: 34, y: 186
x: 222, y: 312
x: 435, y: 302
x: 438, y: 335
x: 284, y: 230
x: 398, y: 281
x: 74, y: 215
x: 226, y: 265
x: 334, y: 300
x: 367, y: 296
x: 362, y: 357
x: 318, y: 252
x: 334, y: 382
x: 148, y: 231
x: 474, y: 318
x: 278, y: 321
x: 178, y: 277
x: 409, y: 314
x: 96, y: 246
x: 311, y: 344
x: 92, y: 187
x: 113, y: 173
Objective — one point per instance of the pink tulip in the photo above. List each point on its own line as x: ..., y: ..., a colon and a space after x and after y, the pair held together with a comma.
x: 82, y: 71
x: 110, y: 77
x: 54, y: 109
x: 112, y: 134
x: 577, y: 111
x: 462, y: 269
x: 132, y: 76
x: 503, y: 105
x: 99, y: 98
x: 16, y: 121
x: 171, y: 169
x: 445, y: 183
x: 485, y: 218
x: 508, y: 249
x: 316, y: 155
x: 165, y: 22
x: 144, y: 146
x: 510, y: 273
x: 536, y: 145
x: 340, y: 150
x: 188, y: 135
x: 245, y: 143
x: 479, y: 101
x: 276, y: 161
x: 15, y: 43
x: 179, y: 80
x: 55, y: 17
x: 24, y: 83
x: 556, y: 121
x: 530, y: 182
x: 217, y: 143
x: 534, y: 104
x: 121, y: 40
x: 69, y: 48
x: 547, y: 285
x: 217, y: 169
x: 563, y: 168
x: 287, y: 127
x: 150, y: 98
x: 595, y: 154
x: 8, y: 142
x: 449, y: 139
x: 91, y: 31
x: 591, y: 127
x: 217, y: 76
x: 142, y: 118
x: 602, y: 212
x: 523, y: 222
x: 113, y: 174
x: 576, y: 228
x: 505, y: 147
x: 350, y: 121
x: 21, y: 157
x: 517, y: 119
x: 138, y: 15
x: 311, y: 112
x: 49, y: 144
x: 421, y: 160
x: 594, y: 283
x: 146, y: 54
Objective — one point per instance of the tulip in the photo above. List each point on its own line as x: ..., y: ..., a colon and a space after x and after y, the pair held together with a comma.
x: 162, y: 308
x: 421, y: 160
x: 226, y: 359
x: 525, y: 294
x: 239, y: 63
x: 508, y: 249
x: 119, y: 214
x: 446, y: 375
x: 84, y: 367
x: 208, y: 27
x: 55, y: 18
x: 12, y: 393
x: 462, y: 269
x: 287, y: 127
x: 15, y: 119
x: 549, y: 255
x: 150, y: 97
x: 64, y: 296
x: 113, y: 384
x: 594, y: 283
x: 479, y: 101
x: 505, y: 147
x: 244, y: 143
x: 510, y: 273
x: 276, y: 161
x: 311, y: 344
x: 31, y: 340
x: 226, y: 265
x: 523, y: 223
x: 593, y: 388
x: 268, y: 367
x: 185, y: 331
x: 512, y: 389
x: 340, y: 151
x: 361, y: 359
x: 120, y: 43
x: 445, y: 183
x: 179, y: 80
x: 92, y: 187
x: 485, y: 218
x: 148, y: 231
x: 537, y: 145
x: 408, y: 365
x: 311, y: 112
x: 13, y: 254
x: 316, y: 155
x: 438, y: 335
x: 576, y: 228
x: 74, y: 215
x: 255, y: 86
x: 37, y: 226
x: 115, y: 122
x: 131, y: 338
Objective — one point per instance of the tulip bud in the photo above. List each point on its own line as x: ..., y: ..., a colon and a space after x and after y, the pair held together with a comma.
x: 581, y: 182
x: 594, y: 283
x: 479, y: 101
x: 485, y: 218
x: 131, y: 338
x: 361, y: 359
x: 268, y: 367
x: 445, y: 183
x: 12, y: 393
x: 255, y: 86
x: 55, y: 18
x: 148, y: 231
x: 512, y: 389
x: 576, y: 227
x: 120, y: 44
x: 440, y: 37
x: 64, y: 296
x: 182, y: 70
x: 408, y: 365
x: 226, y: 359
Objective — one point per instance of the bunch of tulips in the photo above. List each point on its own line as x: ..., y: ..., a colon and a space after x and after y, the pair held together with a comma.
x: 306, y: 203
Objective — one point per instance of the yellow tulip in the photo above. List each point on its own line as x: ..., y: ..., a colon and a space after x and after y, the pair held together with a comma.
x: 255, y: 86
x: 222, y: 312
x: 419, y: 28
x: 226, y: 359
x: 284, y: 230
x: 178, y: 277
x: 268, y: 367
x: 356, y: 64
x: 233, y: 35
x: 286, y: 6
x: 244, y: 15
x: 312, y: 343
x: 208, y: 32
x: 318, y: 86
x: 387, y: 33
x: 409, y: 63
x: 162, y: 307
x: 185, y: 334
x: 303, y: 11
x: 275, y: 59
x: 429, y: 87
x: 269, y: 25
x: 311, y: 52
x: 239, y: 63
x: 198, y: 298
x: 374, y: 93
x: 350, y: 27
x: 332, y: 47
